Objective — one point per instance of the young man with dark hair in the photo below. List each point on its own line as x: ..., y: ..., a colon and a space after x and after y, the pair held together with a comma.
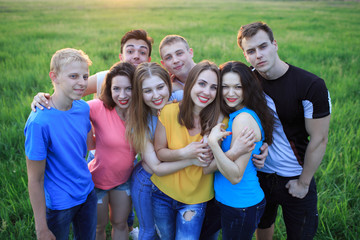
x: 302, y: 107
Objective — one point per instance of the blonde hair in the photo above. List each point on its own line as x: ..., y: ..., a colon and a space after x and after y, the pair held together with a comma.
x: 137, y: 126
x: 66, y: 56
x: 171, y: 39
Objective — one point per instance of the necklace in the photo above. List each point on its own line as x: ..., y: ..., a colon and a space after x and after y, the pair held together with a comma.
x: 52, y: 101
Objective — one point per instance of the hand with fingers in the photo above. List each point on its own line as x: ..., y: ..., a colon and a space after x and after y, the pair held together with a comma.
x: 297, y: 189
x: 200, y: 163
x: 40, y: 101
x: 259, y: 160
x: 244, y: 143
x: 218, y: 133
x: 196, y: 150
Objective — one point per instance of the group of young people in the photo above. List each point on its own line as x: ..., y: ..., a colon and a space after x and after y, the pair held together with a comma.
x: 192, y: 177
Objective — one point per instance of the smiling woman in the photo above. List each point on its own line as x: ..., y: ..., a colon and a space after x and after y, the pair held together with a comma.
x: 114, y: 157
x: 185, y: 124
x: 314, y: 36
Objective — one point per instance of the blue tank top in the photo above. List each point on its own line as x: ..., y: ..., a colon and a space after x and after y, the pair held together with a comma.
x: 247, y: 192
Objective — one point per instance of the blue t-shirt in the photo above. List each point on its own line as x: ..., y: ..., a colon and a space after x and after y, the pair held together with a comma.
x: 60, y: 138
x: 247, y: 192
x: 177, y: 95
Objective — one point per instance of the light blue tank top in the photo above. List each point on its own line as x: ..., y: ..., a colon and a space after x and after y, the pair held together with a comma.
x: 247, y: 192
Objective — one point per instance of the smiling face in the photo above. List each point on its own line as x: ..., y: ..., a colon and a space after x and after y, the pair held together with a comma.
x: 177, y: 59
x: 204, y: 90
x: 232, y: 90
x: 121, y: 91
x: 135, y: 51
x: 155, y: 92
x: 72, y: 80
x: 260, y: 52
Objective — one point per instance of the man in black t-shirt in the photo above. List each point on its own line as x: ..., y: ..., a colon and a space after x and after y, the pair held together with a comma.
x: 301, y: 105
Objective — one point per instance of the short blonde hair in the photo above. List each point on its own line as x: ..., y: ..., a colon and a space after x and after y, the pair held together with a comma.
x: 65, y: 56
x: 171, y: 39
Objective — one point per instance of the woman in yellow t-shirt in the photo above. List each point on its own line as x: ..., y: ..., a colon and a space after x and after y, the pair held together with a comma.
x: 179, y: 199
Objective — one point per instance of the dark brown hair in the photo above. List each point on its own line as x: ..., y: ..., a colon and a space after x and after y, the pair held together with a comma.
x: 251, y: 29
x: 253, y: 96
x: 118, y: 69
x: 138, y: 34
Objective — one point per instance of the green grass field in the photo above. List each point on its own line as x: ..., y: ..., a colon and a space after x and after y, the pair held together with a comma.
x: 320, y: 36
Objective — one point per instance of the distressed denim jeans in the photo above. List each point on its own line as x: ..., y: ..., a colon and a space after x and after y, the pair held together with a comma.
x: 176, y: 220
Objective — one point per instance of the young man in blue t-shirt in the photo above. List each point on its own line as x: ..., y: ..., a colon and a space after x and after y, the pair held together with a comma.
x: 59, y: 182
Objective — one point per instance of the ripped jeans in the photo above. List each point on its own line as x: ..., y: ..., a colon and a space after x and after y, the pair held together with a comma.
x: 176, y: 220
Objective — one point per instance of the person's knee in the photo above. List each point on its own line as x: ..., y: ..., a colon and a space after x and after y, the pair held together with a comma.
x: 119, y: 224
x: 265, y: 233
x: 188, y: 215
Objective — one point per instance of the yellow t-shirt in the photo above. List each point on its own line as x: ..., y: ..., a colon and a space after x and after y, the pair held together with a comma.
x: 189, y: 185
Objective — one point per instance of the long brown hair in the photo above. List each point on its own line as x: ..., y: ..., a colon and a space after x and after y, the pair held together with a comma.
x: 253, y: 96
x: 210, y: 114
x: 137, y: 128
x: 118, y: 69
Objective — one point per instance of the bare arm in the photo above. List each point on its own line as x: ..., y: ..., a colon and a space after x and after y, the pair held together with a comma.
x: 90, y: 141
x: 36, y: 170
x: 191, y: 151
x: 259, y: 160
x: 92, y: 86
x: 318, y: 130
x: 232, y: 170
x: 165, y: 168
x: 242, y: 144
x: 211, y: 168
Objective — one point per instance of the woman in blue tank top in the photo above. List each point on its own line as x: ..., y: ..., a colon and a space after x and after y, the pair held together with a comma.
x: 238, y: 195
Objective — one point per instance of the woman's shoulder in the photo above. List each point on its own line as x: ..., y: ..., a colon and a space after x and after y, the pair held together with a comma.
x: 169, y: 113
x: 170, y: 108
x: 94, y: 102
x: 243, y: 117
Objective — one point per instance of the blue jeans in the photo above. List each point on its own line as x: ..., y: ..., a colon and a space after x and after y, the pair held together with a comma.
x: 141, y: 188
x: 176, y: 220
x: 240, y: 223
x: 83, y: 218
x: 212, y: 222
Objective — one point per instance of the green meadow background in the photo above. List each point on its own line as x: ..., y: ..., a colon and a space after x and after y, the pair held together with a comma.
x: 320, y: 36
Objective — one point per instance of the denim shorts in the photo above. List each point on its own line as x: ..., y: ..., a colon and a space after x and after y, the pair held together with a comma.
x: 100, y: 193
